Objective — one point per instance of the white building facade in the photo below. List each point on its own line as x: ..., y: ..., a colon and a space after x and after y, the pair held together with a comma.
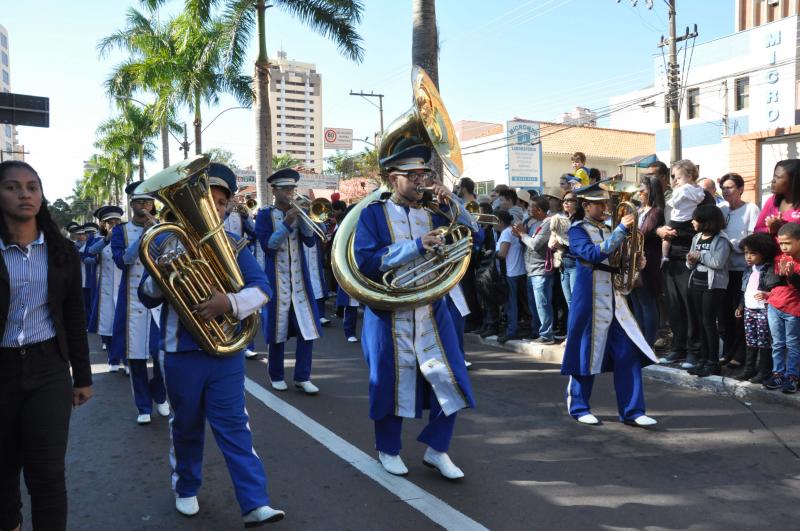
x: 739, y: 108
x: 8, y: 133
x: 296, y: 104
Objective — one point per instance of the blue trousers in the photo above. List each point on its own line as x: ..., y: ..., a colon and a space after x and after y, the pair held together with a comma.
x: 205, y: 387
x: 458, y: 322
x: 436, y: 434
x: 785, y: 330
x: 302, y: 355
x: 321, y: 306
x: 645, y: 310
x: 627, y: 379
x: 540, y: 291
x: 350, y: 320
x: 146, y: 391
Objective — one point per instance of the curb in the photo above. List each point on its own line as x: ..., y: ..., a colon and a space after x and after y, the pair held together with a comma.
x: 744, y: 391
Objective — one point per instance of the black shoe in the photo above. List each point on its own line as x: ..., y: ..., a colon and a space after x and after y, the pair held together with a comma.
x: 707, y: 369
x: 746, y: 374
x: 490, y: 331
x: 775, y: 381
x: 759, y: 377
x: 672, y: 357
x: 790, y: 385
x: 506, y: 337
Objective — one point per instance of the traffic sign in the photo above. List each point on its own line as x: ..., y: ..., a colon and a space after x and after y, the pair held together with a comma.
x: 20, y: 109
x: 336, y: 138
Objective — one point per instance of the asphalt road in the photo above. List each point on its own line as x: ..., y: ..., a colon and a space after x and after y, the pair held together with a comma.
x: 712, y: 463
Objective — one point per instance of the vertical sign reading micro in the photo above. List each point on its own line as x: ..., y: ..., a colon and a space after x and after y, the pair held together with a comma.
x: 524, y: 154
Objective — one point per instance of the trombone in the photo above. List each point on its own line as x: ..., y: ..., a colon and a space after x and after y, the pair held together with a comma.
x: 312, y: 213
x: 475, y: 209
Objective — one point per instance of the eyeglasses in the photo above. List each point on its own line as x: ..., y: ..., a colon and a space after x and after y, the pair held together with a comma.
x: 416, y: 176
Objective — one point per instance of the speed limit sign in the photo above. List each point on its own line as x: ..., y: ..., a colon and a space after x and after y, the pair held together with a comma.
x: 336, y: 138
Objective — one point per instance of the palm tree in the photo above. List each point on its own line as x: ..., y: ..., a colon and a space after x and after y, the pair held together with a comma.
x: 129, y: 136
x: 285, y: 160
x: 151, y: 68
x: 425, y: 47
x: 335, y: 19
x: 425, y: 38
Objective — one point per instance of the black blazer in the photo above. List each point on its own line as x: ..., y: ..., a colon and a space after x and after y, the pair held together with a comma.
x: 65, y: 298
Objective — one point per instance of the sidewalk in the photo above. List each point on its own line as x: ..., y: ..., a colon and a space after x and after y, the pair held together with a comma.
x: 718, y: 384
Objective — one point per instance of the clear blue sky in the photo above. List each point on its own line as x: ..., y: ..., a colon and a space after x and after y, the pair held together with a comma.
x: 499, y: 59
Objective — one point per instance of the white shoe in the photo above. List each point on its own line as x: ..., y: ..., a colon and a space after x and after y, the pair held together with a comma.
x: 105, y: 347
x: 392, y: 464
x: 307, y: 387
x: 588, y: 419
x: 441, y: 461
x: 352, y: 339
x: 642, y: 421
x: 187, y: 506
x: 263, y: 515
x: 163, y: 409
x: 127, y: 370
x: 467, y: 364
x: 279, y: 385
x: 143, y: 419
x: 249, y: 354
x: 324, y: 320
x: 113, y: 368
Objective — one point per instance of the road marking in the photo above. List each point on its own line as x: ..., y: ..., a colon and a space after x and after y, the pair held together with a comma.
x: 432, y: 507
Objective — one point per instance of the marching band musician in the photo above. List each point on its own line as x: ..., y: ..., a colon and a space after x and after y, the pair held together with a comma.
x: 293, y: 311
x: 90, y: 266
x: 603, y: 335
x: 238, y: 222
x: 314, y: 259
x: 101, y: 319
x: 202, y: 386
x: 413, y: 355
x: 350, y: 321
x: 135, y: 334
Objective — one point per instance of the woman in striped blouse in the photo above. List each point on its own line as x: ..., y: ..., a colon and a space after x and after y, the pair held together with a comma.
x: 42, y: 336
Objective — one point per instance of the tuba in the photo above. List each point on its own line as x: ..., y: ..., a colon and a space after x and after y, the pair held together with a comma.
x: 425, y: 122
x: 626, y: 257
x: 207, y: 260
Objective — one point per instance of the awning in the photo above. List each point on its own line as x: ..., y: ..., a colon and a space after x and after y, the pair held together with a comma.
x: 641, y: 161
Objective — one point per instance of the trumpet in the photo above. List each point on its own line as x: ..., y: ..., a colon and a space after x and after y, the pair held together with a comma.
x: 312, y: 213
x: 475, y: 209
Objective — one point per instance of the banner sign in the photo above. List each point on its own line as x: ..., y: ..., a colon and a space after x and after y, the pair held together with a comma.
x: 524, y: 154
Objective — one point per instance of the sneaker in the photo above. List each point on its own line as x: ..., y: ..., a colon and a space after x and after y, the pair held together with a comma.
x: 324, y: 321
x: 672, y: 357
x: 491, y: 331
x: 143, y: 419
x: 506, y: 337
x: 113, y: 368
x: 559, y: 336
x: 707, y: 369
x: 544, y: 341
x: 163, y: 409
x: 187, y: 506
x: 352, y: 339
x: 262, y: 515
x: 691, y: 361
x: 790, y: 385
x: 250, y: 354
x: 773, y: 382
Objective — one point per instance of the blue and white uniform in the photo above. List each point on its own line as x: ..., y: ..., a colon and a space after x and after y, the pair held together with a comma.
x: 293, y: 311
x: 89, y: 279
x: 314, y: 259
x: 602, y: 332
x: 414, y: 357
x: 135, y: 333
x: 202, y: 386
x: 108, y: 280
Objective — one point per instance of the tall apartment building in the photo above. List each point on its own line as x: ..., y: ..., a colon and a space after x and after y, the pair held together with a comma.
x: 296, y: 104
x: 754, y: 13
x: 8, y: 133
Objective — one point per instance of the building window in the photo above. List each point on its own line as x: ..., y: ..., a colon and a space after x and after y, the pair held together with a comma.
x: 742, y: 93
x: 3, y: 40
x: 6, y: 79
x: 484, y: 187
x: 4, y: 55
x: 693, y: 103
x: 9, y: 131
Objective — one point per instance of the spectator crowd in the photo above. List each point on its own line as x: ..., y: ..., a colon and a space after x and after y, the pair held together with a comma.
x: 720, y: 291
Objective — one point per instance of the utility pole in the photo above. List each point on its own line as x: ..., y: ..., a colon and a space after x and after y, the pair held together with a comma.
x: 372, y: 95
x: 185, y: 144
x: 674, y: 81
